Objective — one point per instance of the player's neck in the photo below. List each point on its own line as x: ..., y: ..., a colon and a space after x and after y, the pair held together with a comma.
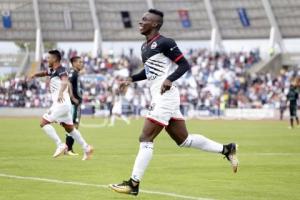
x: 151, y: 35
x: 75, y: 69
x: 56, y: 65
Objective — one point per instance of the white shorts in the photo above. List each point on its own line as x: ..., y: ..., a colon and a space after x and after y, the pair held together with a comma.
x: 117, y: 109
x: 165, y: 108
x: 59, y: 113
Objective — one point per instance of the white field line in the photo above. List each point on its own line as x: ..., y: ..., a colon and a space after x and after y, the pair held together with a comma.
x: 99, y: 186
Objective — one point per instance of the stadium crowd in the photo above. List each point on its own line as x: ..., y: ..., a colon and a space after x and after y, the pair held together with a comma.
x: 216, y: 81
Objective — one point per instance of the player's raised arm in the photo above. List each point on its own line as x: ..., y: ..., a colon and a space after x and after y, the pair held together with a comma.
x: 38, y: 74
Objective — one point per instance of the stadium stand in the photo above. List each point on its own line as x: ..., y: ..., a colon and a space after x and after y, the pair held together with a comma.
x: 218, y: 79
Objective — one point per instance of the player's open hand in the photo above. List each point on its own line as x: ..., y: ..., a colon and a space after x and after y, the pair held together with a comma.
x: 166, y: 85
x: 124, y: 84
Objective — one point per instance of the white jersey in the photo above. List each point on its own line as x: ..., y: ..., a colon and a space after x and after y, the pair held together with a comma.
x: 55, y: 85
x: 117, y: 105
x: 159, y: 55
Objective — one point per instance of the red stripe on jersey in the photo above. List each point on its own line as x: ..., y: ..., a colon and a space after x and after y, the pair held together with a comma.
x: 156, y: 122
x: 154, y: 38
x: 178, y: 58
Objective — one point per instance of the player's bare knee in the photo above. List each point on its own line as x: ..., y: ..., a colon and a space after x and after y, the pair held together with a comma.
x: 43, y: 123
x: 68, y: 128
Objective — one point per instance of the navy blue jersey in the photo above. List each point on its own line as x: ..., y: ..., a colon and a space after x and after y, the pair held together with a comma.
x: 76, y: 84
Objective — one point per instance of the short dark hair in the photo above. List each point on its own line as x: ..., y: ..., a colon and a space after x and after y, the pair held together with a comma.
x: 158, y: 13
x: 74, y: 59
x: 56, y: 53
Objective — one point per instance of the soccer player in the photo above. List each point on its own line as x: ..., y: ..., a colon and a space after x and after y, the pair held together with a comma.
x: 117, y: 109
x: 159, y: 54
x: 60, y: 111
x: 292, y: 98
x: 76, y: 99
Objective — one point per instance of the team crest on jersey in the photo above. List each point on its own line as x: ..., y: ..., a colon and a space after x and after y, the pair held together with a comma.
x: 151, y: 107
x: 153, y: 45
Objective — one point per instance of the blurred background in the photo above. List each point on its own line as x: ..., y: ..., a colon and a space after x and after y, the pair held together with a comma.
x: 244, y: 54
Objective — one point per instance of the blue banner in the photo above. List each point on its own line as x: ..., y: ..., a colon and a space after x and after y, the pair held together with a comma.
x: 185, y: 19
x: 6, y: 19
x: 243, y: 17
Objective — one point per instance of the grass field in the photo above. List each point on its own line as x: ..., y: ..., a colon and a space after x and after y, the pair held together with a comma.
x: 269, y: 156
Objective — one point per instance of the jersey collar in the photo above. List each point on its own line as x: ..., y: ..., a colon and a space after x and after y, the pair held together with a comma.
x: 153, y: 38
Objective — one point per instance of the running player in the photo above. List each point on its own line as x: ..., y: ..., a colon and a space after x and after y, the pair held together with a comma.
x: 117, y: 109
x: 159, y: 54
x: 292, y: 98
x: 76, y: 99
x: 60, y: 111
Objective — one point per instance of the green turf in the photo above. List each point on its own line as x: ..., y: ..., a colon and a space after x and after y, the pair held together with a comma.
x: 269, y: 156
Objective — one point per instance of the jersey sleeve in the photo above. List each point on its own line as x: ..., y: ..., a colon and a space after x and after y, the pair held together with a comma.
x: 171, y: 50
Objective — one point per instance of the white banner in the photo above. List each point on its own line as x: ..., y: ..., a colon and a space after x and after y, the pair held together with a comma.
x: 250, y: 113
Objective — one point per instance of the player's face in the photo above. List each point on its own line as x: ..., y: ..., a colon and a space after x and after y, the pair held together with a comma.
x: 147, y: 23
x: 79, y: 64
x: 51, y: 60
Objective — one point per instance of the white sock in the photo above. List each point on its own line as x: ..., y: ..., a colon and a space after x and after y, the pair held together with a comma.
x: 203, y: 143
x: 50, y: 131
x: 125, y: 119
x: 79, y: 139
x: 142, y: 160
x: 112, y: 120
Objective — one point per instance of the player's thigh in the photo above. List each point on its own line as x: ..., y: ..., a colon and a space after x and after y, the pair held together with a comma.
x: 68, y: 127
x: 177, y: 131
x: 150, y: 131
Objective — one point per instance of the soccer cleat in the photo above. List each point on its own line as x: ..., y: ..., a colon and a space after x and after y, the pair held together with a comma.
x: 88, y: 153
x: 71, y: 153
x: 60, y: 150
x: 230, y: 154
x: 126, y: 187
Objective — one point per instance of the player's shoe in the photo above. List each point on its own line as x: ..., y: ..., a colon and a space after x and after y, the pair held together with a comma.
x: 60, y: 150
x: 126, y: 187
x: 230, y: 154
x: 71, y: 153
x: 88, y: 153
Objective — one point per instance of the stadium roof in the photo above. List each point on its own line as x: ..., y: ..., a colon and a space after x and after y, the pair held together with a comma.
x: 100, y: 20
